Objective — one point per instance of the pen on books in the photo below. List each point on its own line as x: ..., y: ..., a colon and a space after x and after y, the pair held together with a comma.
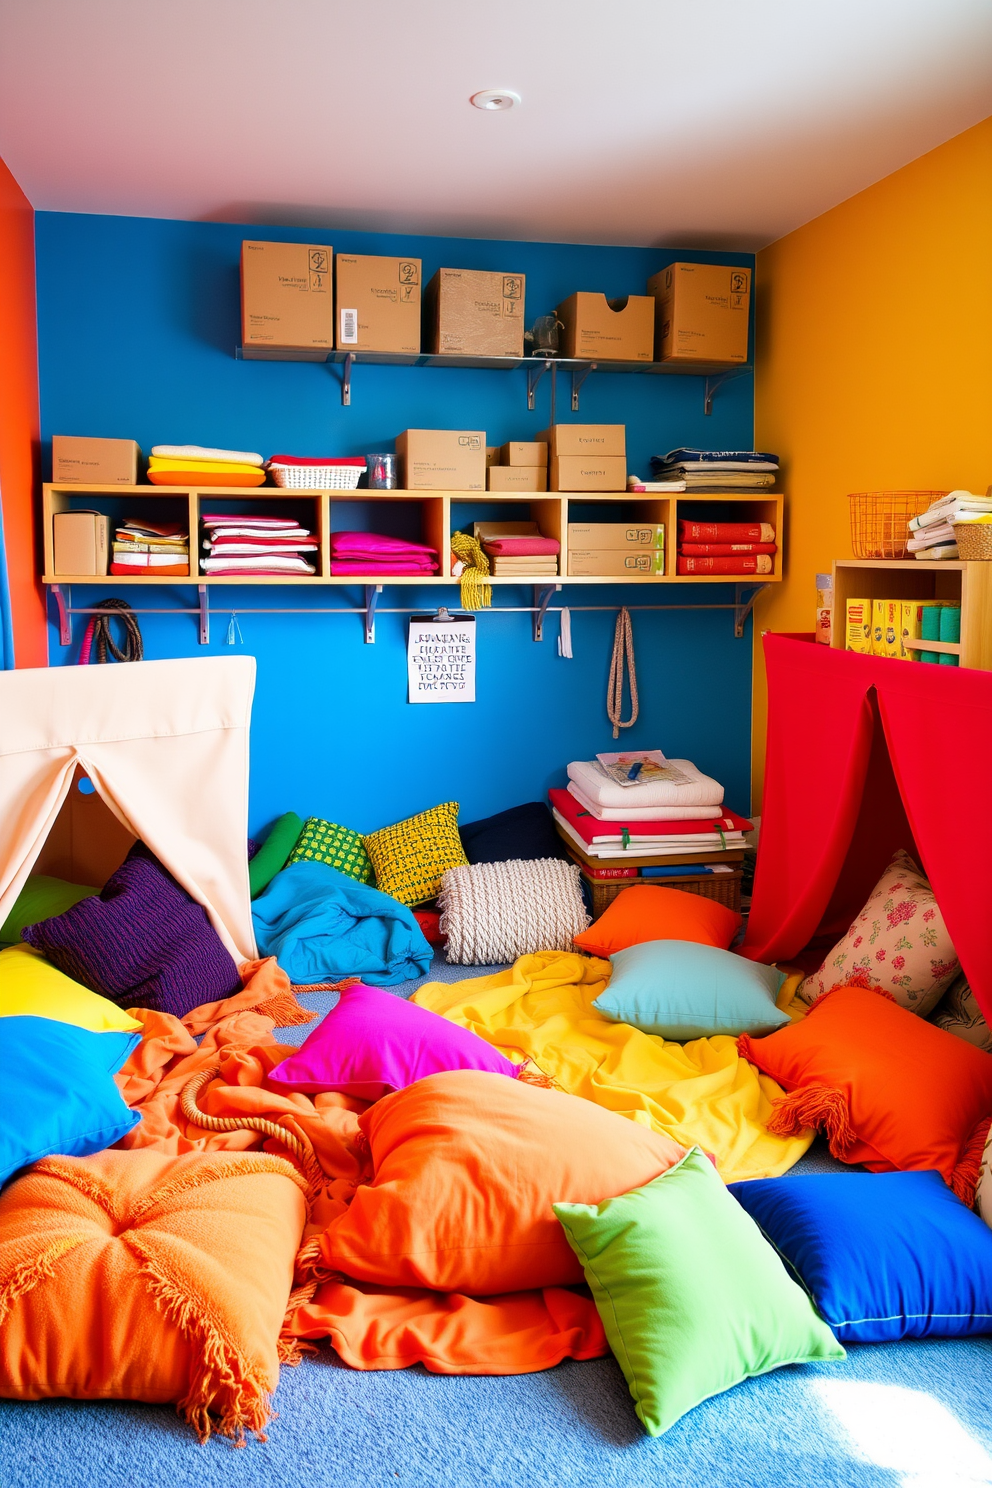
x: 635, y: 770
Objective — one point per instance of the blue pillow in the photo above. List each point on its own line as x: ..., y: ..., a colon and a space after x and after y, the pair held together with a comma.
x: 682, y: 990
x: 59, y: 1094
x: 883, y: 1255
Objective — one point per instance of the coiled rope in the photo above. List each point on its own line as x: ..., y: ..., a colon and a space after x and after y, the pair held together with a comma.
x: 623, y: 644
x: 301, y: 1150
x: 98, y: 634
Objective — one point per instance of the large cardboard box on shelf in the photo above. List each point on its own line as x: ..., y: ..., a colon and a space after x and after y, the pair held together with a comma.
x: 701, y: 313
x: 616, y: 537
x: 612, y: 330
x: 97, y: 462
x: 585, y: 439
x: 80, y: 542
x: 588, y: 473
x: 518, y: 477
x: 287, y: 302
x: 588, y: 563
x: 377, y: 303
x: 521, y: 452
x: 442, y: 459
x: 472, y: 312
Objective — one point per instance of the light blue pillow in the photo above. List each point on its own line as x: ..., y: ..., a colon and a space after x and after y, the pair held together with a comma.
x: 682, y: 990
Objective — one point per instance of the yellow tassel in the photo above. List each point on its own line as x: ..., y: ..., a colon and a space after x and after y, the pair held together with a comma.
x: 476, y: 593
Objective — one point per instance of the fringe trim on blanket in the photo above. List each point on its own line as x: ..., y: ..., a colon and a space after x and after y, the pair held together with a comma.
x: 326, y: 986
x: 225, y: 1391
x: 284, y: 1010
x: 309, y: 1265
x: 819, y: 1107
x: 37, y: 1268
x: 964, y: 1179
x: 290, y: 1349
x: 529, y: 1074
x: 842, y: 986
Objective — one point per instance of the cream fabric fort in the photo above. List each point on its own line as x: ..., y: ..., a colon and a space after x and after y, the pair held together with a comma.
x: 165, y: 744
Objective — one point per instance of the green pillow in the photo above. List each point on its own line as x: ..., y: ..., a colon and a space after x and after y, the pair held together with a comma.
x: 274, y: 851
x: 692, y: 1296
x: 325, y: 842
x: 682, y: 990
x: 41, y: 899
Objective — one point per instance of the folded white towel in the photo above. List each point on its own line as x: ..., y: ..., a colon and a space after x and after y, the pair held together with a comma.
x: 200, y: 452
x: 598, y: 788
x: 645, y: 813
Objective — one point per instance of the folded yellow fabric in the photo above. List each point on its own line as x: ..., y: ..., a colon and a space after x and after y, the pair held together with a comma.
x: 700, y: 1092
x: 219, y: 467
x: 30, y: 987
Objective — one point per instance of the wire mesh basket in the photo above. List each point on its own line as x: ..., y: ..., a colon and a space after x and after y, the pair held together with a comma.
x: 880, y: 520
x: 974, y: 540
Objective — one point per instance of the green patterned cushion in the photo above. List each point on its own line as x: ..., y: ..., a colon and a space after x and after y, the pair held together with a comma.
x: 326, y: 842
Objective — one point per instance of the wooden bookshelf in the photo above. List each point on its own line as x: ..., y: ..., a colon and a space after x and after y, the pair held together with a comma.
x: 952, y: 580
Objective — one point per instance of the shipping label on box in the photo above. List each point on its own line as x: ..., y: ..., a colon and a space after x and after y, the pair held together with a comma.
x: 378, y: 303
x: 474, y: 312
x: 588, y: 473
x: 97, y: 462
x: 613, y: 330
x: 443, y: 459
x: 518, y: 478
x: 857, y: 635
x: 286, y: 296
x: 613, y: 562
x: 701, y: 312
x: 586, y: 439
x: 616, y: 536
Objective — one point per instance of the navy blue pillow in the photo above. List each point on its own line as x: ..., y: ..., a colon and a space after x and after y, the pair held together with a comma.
x: 883, y: 1255
x: 521, y: 832
x: 59, y: 1094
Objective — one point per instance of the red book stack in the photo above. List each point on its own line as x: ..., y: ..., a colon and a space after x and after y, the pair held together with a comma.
x: 733, y: 548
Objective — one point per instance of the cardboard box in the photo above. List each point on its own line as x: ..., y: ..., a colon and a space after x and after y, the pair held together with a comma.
x: 286, y: 298
x: 824, y: 607
x: 518, y: 478
x: 80, y: 542
x: 377, y: 303
x: 586, y: 439
x: 857, y: 635
x: 588, y: 473
x: 442, y: 459
x: 492, y: 455
x: 472, y: 312
x: 97, y: 462
x: 612, y: 330
x: 520, y: 453
x: 589, y: 563
x: 701, y: 313
x: 616, y: 537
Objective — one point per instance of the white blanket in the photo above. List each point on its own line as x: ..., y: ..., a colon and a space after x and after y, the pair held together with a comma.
x: 701, y: 791
x: 646, y: 813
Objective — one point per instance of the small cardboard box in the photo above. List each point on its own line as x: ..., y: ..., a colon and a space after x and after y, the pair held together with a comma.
x: 701, y: 312
x: 286, y: 298
x: 518, y: 477
x: 520, y: 453
x: 96, y: 462
x: 472, y: 312
x: 615, y: 537
x: 857, y: 635
x: 586, y: 439
x: 377, y: 303
x: 80, y: 542
x: 442, y: 459
x: 492, y: 455
x: 613, y: 330
x: 588, y: 473
x: 589, y: 563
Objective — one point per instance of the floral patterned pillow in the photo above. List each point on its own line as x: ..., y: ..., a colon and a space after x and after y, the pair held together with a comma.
x: 898, y: 942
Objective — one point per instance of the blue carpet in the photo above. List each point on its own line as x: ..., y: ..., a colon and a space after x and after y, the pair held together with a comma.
x: 907, y: 1415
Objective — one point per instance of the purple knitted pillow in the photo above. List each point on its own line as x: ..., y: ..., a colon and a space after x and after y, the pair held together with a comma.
x: 143, y: 942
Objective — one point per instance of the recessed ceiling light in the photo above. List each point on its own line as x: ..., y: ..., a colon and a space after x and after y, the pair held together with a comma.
x: 495, y: 99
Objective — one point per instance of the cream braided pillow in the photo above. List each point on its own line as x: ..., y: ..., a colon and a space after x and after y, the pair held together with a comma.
x: 494, y: 912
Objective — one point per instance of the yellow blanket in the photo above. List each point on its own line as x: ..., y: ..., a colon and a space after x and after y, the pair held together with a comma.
x: 695, y: 1092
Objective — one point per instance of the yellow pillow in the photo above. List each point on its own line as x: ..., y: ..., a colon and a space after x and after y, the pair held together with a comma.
x: 410, y: 857
x: 30, y: 987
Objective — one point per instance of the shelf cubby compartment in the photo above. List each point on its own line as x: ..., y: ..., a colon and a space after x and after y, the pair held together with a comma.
x: 544, y: 508
x: 304, y: 507
x: 727, y: 507
x: 954, y: 581
x: 415, y: 516
x: 633, y: 507
x: 120, y: 504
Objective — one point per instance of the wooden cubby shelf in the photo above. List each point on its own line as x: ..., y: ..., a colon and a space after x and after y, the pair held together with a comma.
x: 952, y: 580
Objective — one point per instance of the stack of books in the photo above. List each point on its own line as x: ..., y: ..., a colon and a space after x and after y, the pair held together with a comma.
x: 596, y: 840
x: 159, y: 549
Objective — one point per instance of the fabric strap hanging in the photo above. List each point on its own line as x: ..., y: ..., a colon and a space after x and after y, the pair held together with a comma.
x: 623, y: 647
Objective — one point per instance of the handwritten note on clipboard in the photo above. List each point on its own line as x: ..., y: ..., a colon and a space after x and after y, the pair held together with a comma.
x: 441, y: 658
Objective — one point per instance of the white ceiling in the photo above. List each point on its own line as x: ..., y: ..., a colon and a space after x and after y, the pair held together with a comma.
x: 695, y: 123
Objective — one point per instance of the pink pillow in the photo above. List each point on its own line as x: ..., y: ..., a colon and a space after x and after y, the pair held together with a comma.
x: 372, y: 1043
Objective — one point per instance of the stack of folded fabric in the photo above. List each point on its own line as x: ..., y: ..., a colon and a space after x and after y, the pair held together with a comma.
x: 195, y: 465
x: 159, y: 548
x: 726, y: 548
x: 255, y: 546
x: 518, y: 548
x: 716, y: 470
x: 372, y: 553
x: 932, y: 535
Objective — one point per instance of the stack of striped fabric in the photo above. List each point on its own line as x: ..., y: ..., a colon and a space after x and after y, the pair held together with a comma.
x: 158, y: 548
x: 255, y: 546
x: 196, y: 465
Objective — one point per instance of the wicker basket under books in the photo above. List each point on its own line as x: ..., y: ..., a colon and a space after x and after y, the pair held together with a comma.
x: 974, y: 540
x: 725, y: 888
x: 880, y: 520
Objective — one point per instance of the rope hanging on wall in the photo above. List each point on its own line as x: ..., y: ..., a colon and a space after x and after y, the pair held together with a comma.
x: 623, y: 645
x: 98, y: 635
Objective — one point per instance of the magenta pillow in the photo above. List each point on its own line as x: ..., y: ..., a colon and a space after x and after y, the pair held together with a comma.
x: 372, y: 1043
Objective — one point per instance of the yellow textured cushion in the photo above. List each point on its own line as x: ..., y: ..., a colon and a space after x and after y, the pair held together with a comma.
x: 30, y: 987
x: 410, y: 857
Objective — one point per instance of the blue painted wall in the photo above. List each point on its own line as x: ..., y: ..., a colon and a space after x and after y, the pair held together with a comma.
x: 138, y: 321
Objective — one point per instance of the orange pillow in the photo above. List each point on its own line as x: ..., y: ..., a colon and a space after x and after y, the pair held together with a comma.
x: 140, y: 1276
x: 467, y: 1166
x: 890, y: 1090
x: 646, y: 912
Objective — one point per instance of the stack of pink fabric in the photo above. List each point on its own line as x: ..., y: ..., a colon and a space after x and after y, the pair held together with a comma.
x: 256, y: 546
x: 372, y: 553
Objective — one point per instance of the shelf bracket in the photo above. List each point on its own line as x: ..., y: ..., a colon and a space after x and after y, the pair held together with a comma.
x: 349, y: 362
x: 204, y: 600
x: 534, y: 375
x: 542, y: 598
x: 712, y: 383
x: 743, y: 607
x: 372, y: 592
x: 579, y: 376
x: 63, y: 599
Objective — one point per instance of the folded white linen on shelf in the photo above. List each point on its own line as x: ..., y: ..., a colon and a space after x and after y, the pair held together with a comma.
x: 645, y: 814
x: 201, y: 452
x: 701, y: 790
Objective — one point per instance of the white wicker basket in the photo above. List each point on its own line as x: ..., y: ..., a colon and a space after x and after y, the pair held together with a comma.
x: 342, y: 475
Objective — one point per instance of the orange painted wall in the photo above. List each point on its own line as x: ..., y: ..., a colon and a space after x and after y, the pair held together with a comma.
x: 19, y: 419
x: 874, y: 362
